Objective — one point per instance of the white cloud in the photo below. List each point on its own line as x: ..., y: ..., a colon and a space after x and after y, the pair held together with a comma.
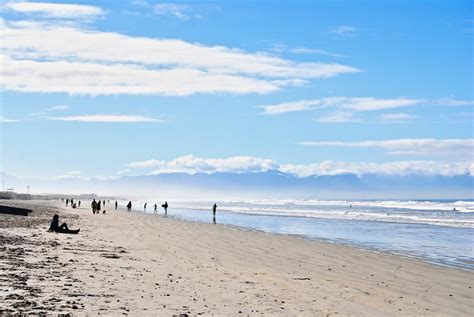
x: 391, y: 168
x: 460, y: 148
x: 338, y: 117
x: 355, y: 104
x: 303, y: 105
x: 35, y: 59
x: 192, y: 164
x: 55, y: 10
x: 343, y: 30
x: 181, y: 11
x: 398, y: 117
x: 7, y: 120
x: 59, y: 108
x: 107, y: 118
x: 238, y: 164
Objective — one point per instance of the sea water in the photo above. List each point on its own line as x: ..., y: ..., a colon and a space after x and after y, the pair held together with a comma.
x: 441, y: 232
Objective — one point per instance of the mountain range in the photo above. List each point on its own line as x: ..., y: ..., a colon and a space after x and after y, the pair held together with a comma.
x: 262, y: 184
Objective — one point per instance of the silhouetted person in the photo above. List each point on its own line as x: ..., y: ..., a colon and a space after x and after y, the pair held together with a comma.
x: 74, y: 206
x: 94, y: 206
x: 72, y: 201
x: 144, y: 207
x: 155, y: 209
x: 129, y: 206
x: 67, y: 202
x: 103, y: 203
x: 214, y: 209
x: 54, y: 226
x: 116, y: 205
x: 165, y: 207
x: 98, y: 207
x: 79, y: 204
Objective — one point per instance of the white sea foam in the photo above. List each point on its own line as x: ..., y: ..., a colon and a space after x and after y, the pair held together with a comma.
x: 441, y: 213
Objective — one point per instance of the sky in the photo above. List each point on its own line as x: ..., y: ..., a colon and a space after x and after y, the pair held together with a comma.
x: 102, y: 89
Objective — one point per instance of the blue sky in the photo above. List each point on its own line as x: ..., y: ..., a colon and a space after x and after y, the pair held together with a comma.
x: 111, y: 88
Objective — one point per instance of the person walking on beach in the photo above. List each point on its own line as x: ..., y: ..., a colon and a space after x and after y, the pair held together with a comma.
x: 116, y: 205
x: 144, y: 207
x: 129, y: 206
x: 67, y: 201
x: 79, y: 204
x: 214, y: 209
x: 98, y: 207
x: 165, y: 207
x: 94, y: 206
x: 155, y: 209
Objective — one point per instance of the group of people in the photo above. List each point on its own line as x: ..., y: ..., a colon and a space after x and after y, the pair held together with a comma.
x: 97, y: 206
x: 74, y: 205
x: 155, y: 207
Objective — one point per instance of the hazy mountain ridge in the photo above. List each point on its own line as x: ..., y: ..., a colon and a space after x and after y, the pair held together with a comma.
x: 270, y: 183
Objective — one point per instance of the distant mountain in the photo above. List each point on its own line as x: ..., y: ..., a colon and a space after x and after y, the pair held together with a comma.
x: 265, y: 184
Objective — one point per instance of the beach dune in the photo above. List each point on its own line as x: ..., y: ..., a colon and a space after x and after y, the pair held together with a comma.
x: 144, y: 264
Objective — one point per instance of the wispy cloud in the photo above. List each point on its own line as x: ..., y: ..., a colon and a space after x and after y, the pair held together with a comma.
x: 398, y: 117
x: 304, y: 50
x: 35, y: 59
x: 180, y: 11
x: 343, y: 31
x: 454, y: 102
x: 55, y: 10
x: 7, y: 120
x: 70, y: 175
x: 239, y: 164
x: 460, y: 148
x: 59, y: 108
x: 338, y: 117
x: 285, y: 107
x: 354, y: 104
x: 108, y: 118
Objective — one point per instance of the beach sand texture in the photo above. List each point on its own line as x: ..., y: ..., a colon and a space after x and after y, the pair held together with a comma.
x: 146, y: 265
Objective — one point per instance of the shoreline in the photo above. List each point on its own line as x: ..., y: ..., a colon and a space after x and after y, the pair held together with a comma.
x: 459, y: 263
x: 257, y: 273
x: 335, y: 242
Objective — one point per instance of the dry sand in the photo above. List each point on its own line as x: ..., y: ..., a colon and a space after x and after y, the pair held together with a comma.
x: 147, y: 265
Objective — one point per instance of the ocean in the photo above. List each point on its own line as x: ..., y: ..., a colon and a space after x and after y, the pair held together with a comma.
x: 439, y: 232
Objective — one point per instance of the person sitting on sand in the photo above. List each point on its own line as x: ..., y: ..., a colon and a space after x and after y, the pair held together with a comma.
x: 55, y: 227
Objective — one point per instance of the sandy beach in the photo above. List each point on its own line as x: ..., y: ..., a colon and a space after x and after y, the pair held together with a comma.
x: 147, y: 265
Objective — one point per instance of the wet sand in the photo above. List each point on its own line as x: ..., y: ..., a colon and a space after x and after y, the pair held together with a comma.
x: 143, y: 264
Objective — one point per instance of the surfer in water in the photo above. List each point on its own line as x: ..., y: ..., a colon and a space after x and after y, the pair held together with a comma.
x: 54, y: 226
